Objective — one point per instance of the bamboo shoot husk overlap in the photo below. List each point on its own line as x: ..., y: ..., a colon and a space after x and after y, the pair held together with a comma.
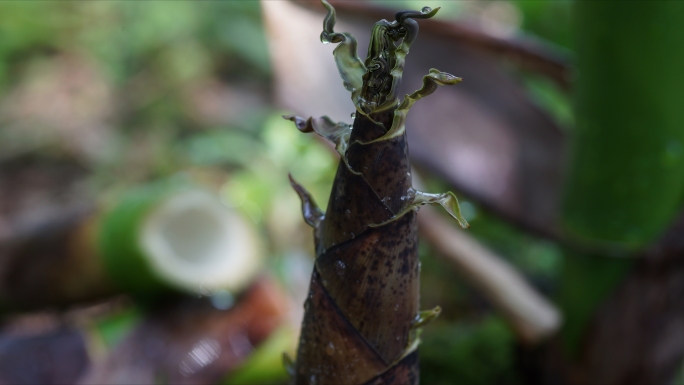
x: 362, y: 319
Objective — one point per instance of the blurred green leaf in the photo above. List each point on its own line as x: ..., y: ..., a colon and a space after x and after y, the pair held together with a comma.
x: 265, y: 365
x: 549, y: 96
x: 468, y: 353
x: 116, y: 326
x: 226, y: 146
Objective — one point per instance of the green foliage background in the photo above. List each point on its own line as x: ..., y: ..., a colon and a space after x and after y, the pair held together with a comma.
x: 154, y: 58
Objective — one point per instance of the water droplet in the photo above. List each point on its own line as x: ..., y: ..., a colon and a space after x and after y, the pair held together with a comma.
x: 347, y: 212
x: 339, y: 268
x: 330, y: 349
x: 353, y: 115
x: 396, y: 307
x: 312, y: 379
x: 426, y: 10
x: 352, y: 235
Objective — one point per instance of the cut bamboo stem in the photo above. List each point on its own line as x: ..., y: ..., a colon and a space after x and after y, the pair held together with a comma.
x: 178, y: 237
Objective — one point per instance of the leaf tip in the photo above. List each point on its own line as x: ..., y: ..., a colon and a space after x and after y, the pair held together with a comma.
x: 312, y: 214
x: 301, y: 123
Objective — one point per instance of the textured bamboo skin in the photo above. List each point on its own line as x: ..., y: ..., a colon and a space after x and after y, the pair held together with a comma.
x: 362, y: 312
x: 365, y: 284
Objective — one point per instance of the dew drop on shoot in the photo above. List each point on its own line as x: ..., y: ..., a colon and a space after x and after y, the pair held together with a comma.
x: 339, y: 268
x: 426, y: 10
x: 330, y: 349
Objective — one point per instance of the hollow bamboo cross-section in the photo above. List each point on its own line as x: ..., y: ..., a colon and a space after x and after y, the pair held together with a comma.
x: 362, y: 318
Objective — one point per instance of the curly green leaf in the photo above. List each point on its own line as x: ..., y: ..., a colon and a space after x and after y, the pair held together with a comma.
x: 385, y: 60
x: 349, y: 65
x: 338, y: 133
x: 417, y: 198
x: 427, y: 316
x: 430, y: 83
x: 447, y: 200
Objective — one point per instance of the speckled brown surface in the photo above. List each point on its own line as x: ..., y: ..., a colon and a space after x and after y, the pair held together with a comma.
x: 352, y: 207
x: 375, y: 282
x: 330, y: 350
x: 364, y: 293
x: 383, y: 169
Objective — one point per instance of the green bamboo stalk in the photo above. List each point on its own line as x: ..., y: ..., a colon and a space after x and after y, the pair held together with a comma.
x: 174, y: 236
x: 626, y: 181
x: 362, y: 319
